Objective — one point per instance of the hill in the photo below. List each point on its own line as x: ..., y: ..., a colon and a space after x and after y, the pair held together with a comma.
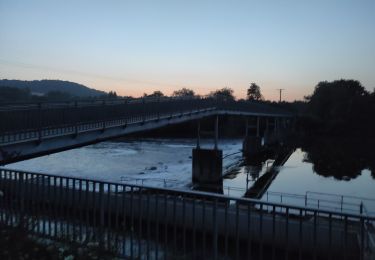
x: 45, y: 86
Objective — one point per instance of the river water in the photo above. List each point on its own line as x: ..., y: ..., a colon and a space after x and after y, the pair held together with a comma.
x: 309, y: 177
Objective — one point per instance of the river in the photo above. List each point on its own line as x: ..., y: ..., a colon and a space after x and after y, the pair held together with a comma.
x: 310, y: 176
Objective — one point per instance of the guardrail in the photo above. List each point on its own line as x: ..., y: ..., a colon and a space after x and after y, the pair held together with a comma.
x: 343, y: 203
x: 147, y: 222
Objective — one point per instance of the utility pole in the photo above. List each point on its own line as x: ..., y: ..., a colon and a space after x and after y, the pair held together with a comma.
x: 280, y: 90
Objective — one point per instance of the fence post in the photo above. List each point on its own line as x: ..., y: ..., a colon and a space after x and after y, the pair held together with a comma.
x: 215, y: 231
x: 101, y: 214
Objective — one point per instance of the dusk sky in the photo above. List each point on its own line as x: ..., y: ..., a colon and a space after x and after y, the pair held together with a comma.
x: 134, y: 47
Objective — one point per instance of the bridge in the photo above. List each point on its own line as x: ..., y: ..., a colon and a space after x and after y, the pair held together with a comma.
x: 31, y: 130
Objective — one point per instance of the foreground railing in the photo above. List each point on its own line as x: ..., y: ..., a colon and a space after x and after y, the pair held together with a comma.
x: 144, y: 222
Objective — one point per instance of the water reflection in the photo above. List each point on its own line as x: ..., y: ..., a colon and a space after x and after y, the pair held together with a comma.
x: 340, y: 158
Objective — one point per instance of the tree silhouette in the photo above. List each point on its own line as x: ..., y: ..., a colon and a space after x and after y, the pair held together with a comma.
x: 184, y: 92
x: 341, y: 106
x: 225, y: 94
x: 155, y: 94
x: 112, y: 94
x: 253, y: 92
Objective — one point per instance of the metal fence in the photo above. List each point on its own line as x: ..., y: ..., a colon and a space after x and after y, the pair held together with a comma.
x: 142, y: 222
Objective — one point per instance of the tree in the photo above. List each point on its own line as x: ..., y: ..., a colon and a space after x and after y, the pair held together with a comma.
x: 155, y: 94
x: 336, y: 99
x: 225, y: 94
x: 112, y: 94
x: 341, y: 106
x: 184, y: 92
x: 253, y: 92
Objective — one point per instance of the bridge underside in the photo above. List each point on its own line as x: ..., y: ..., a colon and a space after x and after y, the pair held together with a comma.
x: 30, y: 144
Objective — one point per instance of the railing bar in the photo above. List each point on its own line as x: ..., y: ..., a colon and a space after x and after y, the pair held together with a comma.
x: 261, y: 232
x: 249, y: 234
x: 140, y: 220
x: 345, y: 236
x: 287, y: 234
x: 55, y: 207
x: 73, y: 209
x: 148, y: 226
x: 226, y: 230
x: 80, y: 207
x: 300, y: 235
x: 273, y: 231
x: 204, y: 228
x: 194, y: 228
x: 315, y: 236
x: 166, y: 227
x: 237, y: 241
x: 183, y: 225
x: 49, y: 205
x: 157, y: 224
x: 87, y: 209
x: 132, y: 223
x: 174, y: 226
x: 108, y: 223
x: 215, y: 231
x: 362, y: 233
x: 330, y: 235
x: 95, y: 210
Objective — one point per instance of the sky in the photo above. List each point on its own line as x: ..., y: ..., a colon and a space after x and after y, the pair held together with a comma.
x: 136, y: 47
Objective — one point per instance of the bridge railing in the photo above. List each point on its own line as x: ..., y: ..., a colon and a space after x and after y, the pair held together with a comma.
x: 30, y: 122
x: 144, y: 222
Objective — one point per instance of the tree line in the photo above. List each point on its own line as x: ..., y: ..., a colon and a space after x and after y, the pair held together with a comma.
x: 336, y: 107
x: 339, y: 107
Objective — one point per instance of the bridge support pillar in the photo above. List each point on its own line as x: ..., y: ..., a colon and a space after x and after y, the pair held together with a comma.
x: 270, y: 135
x: 207, y: 166
x: 252, y: 145
x: 208, y: 163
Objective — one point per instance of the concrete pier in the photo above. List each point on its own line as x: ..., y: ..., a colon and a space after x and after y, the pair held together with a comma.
x: 207, y: 166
